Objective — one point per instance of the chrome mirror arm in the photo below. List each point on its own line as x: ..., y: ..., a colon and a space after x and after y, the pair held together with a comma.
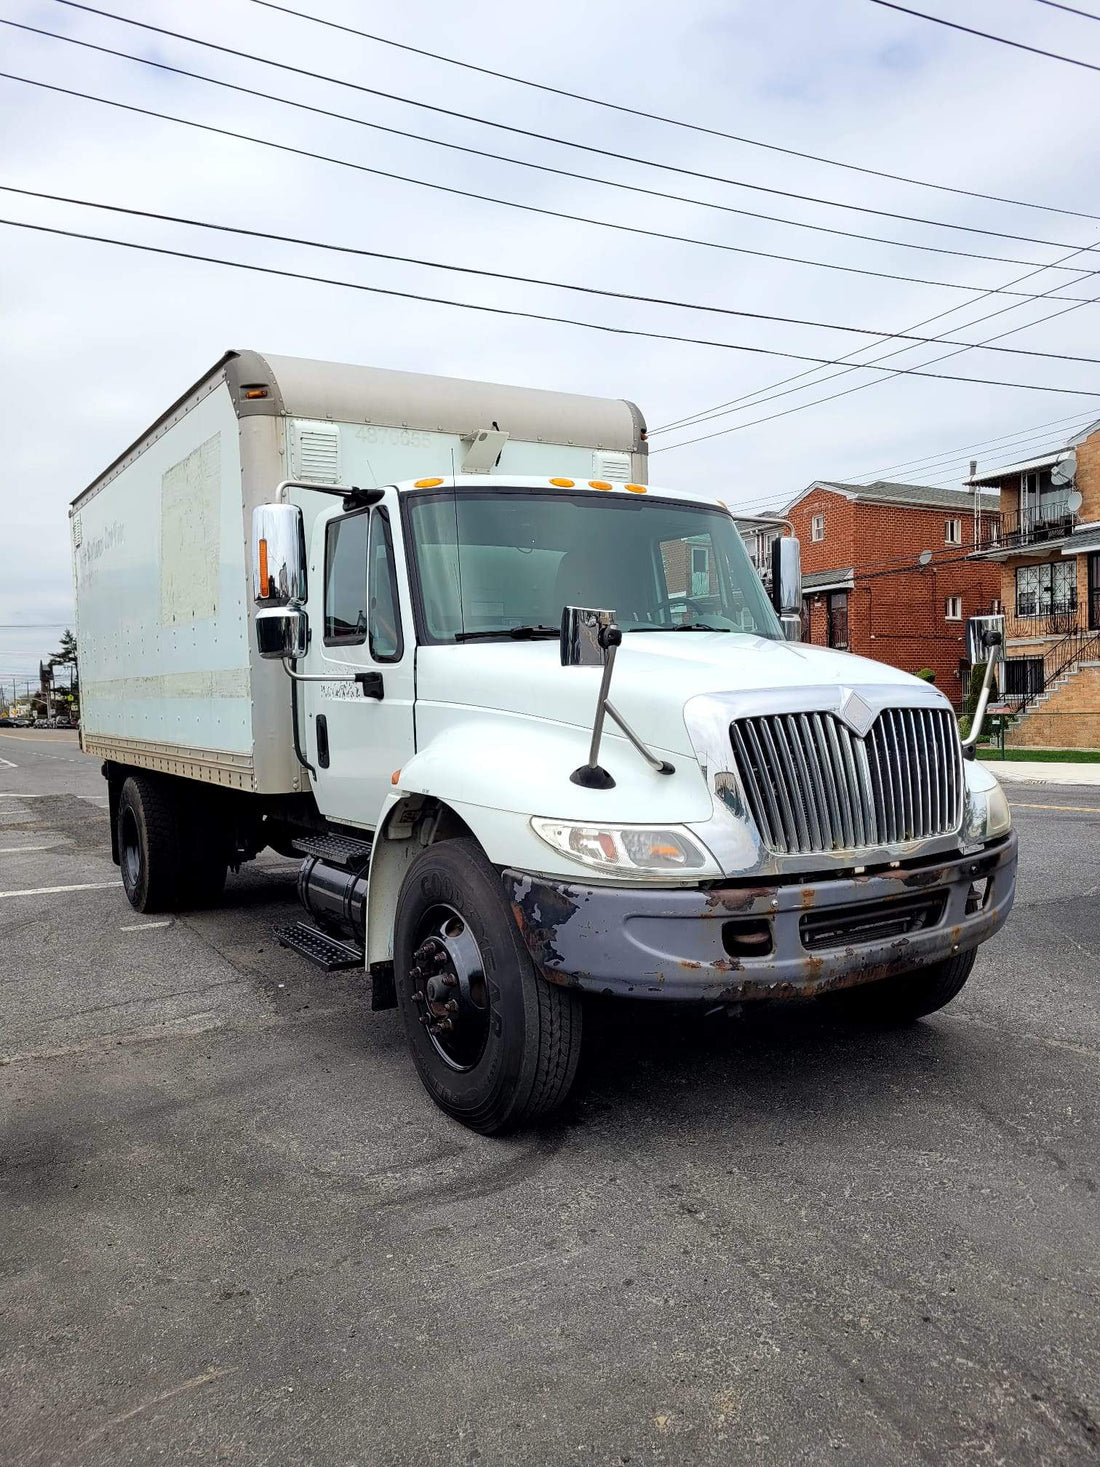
x: 991, y: 641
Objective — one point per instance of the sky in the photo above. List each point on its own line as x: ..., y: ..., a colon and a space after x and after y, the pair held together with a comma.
x: 95, y: 341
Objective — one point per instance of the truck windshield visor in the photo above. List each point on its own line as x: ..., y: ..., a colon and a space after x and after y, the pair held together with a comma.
x: 497, y: 560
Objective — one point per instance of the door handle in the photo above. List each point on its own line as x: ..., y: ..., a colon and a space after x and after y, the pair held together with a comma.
x: 372, y: 684
x: 322, y: 741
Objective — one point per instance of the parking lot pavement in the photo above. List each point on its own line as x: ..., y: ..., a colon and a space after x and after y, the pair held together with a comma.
x: 235, y: 1229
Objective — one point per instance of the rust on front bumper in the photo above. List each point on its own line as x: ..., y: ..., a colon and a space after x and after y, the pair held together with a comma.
x: 675, y: 943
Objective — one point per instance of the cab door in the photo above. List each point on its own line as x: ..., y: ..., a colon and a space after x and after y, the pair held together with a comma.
x: 359, y: 729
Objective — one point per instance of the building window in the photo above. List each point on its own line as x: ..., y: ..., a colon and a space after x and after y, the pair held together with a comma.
x: 700, y: 570
x: 817, y: 527
x: 838, y: 620
x: 952, y: 532
x: 1046, y: 590
x: 953, y: 608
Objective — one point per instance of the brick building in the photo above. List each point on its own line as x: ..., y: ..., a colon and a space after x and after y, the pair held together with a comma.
x: 1046, y: 550
x: 865, y: 589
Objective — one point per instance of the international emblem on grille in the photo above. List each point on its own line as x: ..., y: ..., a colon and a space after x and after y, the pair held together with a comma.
x: 855, y: 712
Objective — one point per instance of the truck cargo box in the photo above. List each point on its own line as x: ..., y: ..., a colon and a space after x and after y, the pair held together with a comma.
x: 170, y: 676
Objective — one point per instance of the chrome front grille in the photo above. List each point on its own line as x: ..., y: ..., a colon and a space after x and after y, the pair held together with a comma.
x: 813, y: 785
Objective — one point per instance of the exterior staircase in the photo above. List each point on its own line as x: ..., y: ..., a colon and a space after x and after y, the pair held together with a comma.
x: 1066, y: 714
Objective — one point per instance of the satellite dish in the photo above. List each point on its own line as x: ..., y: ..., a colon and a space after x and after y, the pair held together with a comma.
x: 925, y: 557
x: 1073, y: 501
x: 1064, y: 470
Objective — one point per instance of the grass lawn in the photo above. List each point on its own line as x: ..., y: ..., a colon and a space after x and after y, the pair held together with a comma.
x: 991, y: 752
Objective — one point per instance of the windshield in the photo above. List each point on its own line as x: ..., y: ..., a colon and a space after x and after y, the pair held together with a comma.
x: 496, y: 562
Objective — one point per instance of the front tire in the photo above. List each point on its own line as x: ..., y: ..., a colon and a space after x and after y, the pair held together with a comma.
x: 910, y: 996
x: 495, y: 1045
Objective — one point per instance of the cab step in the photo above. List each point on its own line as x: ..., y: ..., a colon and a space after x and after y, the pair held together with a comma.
x: 337, y: 850
x: 326, y: 952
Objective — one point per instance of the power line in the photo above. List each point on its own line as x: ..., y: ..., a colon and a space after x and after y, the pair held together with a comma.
x: 525, y: 208
x: 526, y: 163
x: 1057, y: 5
x: 969, y: 447
x: 537, y: 209
x: 523, y: 315
x: 970, y: 31
x: 755, y: 422
x: 723, y: 409
x: 566, y: 143
x: 680, y: 122
x: 525, y: 279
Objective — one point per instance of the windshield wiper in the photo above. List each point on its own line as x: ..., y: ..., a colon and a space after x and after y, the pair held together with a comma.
x: 691, y: 626
x: 516, y: 634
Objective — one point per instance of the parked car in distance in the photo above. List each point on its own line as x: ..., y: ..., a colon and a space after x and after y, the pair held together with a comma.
x: 41, y: 723
x: 62, y: 722
x: 7, y: 723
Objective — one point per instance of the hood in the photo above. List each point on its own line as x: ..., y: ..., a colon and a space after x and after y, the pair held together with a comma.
x: 655, y: 675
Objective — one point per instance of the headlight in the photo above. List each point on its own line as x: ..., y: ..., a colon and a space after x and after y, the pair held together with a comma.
x: 623, y: 847
x: 988, y: 813
x: 998, y: 817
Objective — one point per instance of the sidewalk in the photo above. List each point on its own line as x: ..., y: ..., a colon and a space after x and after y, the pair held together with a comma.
x: 1012, y: 771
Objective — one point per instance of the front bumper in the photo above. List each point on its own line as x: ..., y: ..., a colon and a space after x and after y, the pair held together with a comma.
x: 788, y: 940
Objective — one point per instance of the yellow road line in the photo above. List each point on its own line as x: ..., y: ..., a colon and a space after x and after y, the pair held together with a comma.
x: 1088, y: 809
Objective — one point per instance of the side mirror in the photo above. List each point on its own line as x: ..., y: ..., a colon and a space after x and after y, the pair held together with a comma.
x: 278, y: 555
x: 787, y: 576
x: 282, y: 631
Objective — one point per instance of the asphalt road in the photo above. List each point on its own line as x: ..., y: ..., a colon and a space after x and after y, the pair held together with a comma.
x: 234, y: 1229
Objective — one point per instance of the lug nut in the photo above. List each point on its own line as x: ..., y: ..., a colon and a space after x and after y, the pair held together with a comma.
x: 451, y: 1006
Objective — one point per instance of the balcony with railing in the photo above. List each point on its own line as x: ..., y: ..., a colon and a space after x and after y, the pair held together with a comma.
x: 1038, y: 525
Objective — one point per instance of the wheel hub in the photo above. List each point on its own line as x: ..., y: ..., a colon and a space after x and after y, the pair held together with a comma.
x: 449, y: 988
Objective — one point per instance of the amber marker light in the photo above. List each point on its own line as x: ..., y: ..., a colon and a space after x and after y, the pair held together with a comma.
x: 562, y: 483
x: 263, y: 568
x: 254, y: 392
x: 634, y: 488
x: 598, y: 484
x: 427, y: 483
x: 395, y: 776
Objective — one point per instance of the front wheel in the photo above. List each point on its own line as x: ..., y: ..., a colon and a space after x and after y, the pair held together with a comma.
x: 910, y: 996
x: 495, y: 1044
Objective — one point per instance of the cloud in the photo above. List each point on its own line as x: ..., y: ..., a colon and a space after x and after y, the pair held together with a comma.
x: 96, y: 341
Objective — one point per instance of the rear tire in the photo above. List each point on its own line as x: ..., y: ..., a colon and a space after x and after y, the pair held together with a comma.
x: 506, y: 1053
x: 910, y: 996
x: 148, y: 844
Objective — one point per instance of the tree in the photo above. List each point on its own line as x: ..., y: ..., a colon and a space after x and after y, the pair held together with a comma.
x: 66, y: 656
x: 66, y: 652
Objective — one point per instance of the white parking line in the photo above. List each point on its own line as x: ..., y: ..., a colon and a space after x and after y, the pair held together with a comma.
x: 18, y: 850
x: 47, y: 890
x: 144, y: 926
x: 7, y: 764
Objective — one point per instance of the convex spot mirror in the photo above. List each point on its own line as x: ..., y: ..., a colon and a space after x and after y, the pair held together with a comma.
x: 278, y: 555
x: 586, y: 636
x: 282, y: 631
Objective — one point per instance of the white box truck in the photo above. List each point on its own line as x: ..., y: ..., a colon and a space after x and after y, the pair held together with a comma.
x: 532, y: 724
